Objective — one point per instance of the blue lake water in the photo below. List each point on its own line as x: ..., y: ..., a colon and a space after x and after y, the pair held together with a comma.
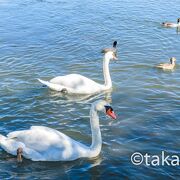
x: 47, y: 38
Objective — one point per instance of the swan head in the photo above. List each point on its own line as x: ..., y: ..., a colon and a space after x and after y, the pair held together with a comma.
x: 110, y: 53
x: 105, y: 107
x: 178, y: 20
x: 172, y: 60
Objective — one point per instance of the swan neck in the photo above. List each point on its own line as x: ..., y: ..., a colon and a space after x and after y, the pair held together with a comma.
x: 96, y: 133
x: 107, y: 77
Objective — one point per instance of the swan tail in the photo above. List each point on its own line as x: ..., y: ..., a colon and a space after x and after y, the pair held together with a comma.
x: 53, y: 86
x: 43, y: 82
x: 159, y: 66
x: 2, y: 138
x: 10, y: 145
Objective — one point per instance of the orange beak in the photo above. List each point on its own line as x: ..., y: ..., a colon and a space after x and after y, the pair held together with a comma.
x: 111, y: 114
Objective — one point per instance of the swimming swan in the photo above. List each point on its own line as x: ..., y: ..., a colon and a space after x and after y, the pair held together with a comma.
x: 41, y: 143
x: 168, y: 66
x: 78, y: 84
x: 169, y: 24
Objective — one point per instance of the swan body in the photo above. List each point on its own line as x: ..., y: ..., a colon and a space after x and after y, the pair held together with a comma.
x: 78, y: 84
x: 73, y: 84
x: 41, y: 143
x: 168, y: 66
x: 170, y: 24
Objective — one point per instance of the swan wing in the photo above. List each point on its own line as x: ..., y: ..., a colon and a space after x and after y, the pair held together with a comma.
x: 41, y: 143
x: 53, y: 86
x: 75, y: 83
x: 40, y: 138
x: 73, y: 80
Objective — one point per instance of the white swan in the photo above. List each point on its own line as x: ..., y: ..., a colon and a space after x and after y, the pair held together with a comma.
x: 41, y: 143
x: 171, y: 25
x: 78, y: 84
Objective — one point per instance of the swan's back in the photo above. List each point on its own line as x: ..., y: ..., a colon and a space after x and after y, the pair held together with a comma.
x: 41, y: 143
x: 40, y: 138
x: 76, y: 82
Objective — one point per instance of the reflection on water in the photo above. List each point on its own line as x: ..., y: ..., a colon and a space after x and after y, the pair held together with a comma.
x: 43, y: 38
x: 80, y: 98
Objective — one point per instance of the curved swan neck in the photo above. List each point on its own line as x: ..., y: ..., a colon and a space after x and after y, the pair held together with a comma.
x: 107, y: 77
x: 96, y: 133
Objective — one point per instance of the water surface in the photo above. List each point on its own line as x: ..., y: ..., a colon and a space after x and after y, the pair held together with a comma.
x: 45, y: 38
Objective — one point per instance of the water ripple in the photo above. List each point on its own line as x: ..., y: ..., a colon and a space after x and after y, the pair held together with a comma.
x: 44, y: 39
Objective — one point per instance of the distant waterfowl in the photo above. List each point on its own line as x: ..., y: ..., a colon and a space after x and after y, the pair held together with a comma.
x: 168, y: 66
x: 41, y: 143
x: 78, y: 84
x: 170, y: 24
